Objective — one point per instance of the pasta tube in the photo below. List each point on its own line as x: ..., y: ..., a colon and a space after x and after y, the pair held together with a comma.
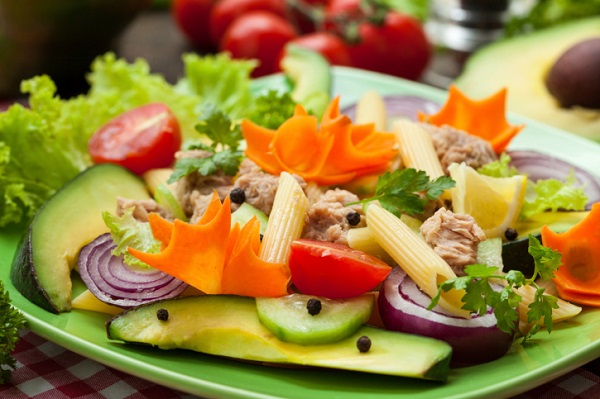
x: 286, y: 220
x: 416, y: 148
x: 418, y: 259
x: 371, y: 109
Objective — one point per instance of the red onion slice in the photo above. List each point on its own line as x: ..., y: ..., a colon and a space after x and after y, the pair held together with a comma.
x: 116, y: 283
x: 542, y: 166
x: 401, y: 106
x: 403, y: 308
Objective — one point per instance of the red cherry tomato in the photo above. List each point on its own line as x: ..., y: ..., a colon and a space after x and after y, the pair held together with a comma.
x: 140, y: 139
x: 327, y: 44
x: 399, y: 47
x: 258, y: 35
x: 333, y: 270
x: 226, y: 11
x: 192, y: 17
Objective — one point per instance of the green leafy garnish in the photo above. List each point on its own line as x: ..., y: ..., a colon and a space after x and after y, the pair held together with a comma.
x: 126, y: 231
x: 408, y: 191
x: 479, y: 294
x: 272, y: 109
x: 553, y: 194
x: 11, y: 320
x: 224, y: 153
x: 499, y: 168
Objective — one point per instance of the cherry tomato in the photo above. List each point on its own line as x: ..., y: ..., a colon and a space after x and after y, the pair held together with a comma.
x: 140, y: 139
x: 258, y: 35
x: 192, y: 17
x: 333, y: 270
x: 399, y: 47
x: 327, y: 44
x: 226, y: 11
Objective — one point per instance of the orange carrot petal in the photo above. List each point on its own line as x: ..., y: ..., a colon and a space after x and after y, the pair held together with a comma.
x: 213, y: 208
x: 579, y: 275
x: 161, y: 228
x: 484, y: 118
x: 258, y: 142
x: 196, y: 253
x: 331, y: 112
x: 247, y: 275
x: 299, y: 147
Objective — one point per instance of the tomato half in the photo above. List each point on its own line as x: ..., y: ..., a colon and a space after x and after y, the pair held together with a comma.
x: 140, y: 139
x: 258, y: 35
x: 329, y: 45
x: 192, y: 17
x: 226, y: 11
x: 334, y: 270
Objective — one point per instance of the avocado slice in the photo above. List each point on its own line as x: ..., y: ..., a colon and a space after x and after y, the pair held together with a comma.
x: 71, y: 218
x: 521, y: 64
x: 228, y: 326
x: 310, y: 74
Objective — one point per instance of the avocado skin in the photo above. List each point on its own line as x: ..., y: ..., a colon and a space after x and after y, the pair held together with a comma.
x: 24, y: 276
x: 71, y: 218
x: 516, y: 256
x: 226, y: 325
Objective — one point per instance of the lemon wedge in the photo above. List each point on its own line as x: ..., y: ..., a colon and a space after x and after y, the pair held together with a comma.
x: 494, y: 202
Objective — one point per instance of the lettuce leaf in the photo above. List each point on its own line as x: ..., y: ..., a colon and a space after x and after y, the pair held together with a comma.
x: 552, y: 195
x: 44, y: 146
x: 126, y: 232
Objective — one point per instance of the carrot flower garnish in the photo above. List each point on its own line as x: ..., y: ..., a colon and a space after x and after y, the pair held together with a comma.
x: 578, y: 278
x: 213, y: 257
x: 330, y: 153
x: 484, y: 118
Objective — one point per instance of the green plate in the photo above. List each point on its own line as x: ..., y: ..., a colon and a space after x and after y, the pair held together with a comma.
x: 570, y: 344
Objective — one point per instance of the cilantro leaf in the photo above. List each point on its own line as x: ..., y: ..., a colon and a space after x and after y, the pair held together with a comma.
x: 480, y: 294
x: 407, y: 191
x: 223, y: 152
x: 11, y: 320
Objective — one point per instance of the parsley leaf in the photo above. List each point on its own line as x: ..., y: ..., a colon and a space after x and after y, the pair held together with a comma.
x: 480, y: 294
x: 224, y: 153
x: 11, y: 320
x: 407, y: 191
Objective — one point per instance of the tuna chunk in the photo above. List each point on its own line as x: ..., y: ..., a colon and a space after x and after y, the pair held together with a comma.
x: 453, y: 236
x: 259, y: 187
x: 453, y: 145
x: 141, y: 208
x: 327, y: 218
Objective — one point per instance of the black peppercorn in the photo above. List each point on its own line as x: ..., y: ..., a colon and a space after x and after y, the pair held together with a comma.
x: 162, y: 314
x: 313, y: 306
x: 511, y: 234
x: 363, y: 344
x: 353, y: 218
x: 237, y: 196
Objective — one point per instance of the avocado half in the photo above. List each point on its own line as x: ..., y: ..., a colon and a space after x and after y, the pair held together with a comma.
x: 521, y: 64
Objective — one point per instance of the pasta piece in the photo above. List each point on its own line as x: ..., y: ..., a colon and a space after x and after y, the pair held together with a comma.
x: 416, y: 148
x: 286, y: 220
x: 418, y: 259
x: 565, y: 309
x: 371, y: 109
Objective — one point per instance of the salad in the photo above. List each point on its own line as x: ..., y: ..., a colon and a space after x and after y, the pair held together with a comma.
x: 376, y: 210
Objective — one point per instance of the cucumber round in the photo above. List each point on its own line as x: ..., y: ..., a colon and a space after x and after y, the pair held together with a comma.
x: 289, y: 319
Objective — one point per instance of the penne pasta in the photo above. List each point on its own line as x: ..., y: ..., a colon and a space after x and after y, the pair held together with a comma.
x: 371, y: 109
x: 412, y: 253
x: 286, y: 220
x: 416, y: 148
x: 565, y: 309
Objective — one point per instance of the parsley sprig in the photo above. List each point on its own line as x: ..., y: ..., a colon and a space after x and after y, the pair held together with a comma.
x: 479, y: 293
x: 407, y: 191
x: 11, y: 321
x: 225, y: 137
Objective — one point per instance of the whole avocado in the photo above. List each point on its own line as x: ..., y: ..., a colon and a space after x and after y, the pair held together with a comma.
x: 522, y: 65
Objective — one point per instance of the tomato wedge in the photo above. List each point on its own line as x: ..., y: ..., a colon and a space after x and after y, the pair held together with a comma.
x: 334, y: 271
x: 140, y: 139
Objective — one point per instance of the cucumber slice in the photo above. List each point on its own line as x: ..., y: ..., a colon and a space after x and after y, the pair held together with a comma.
x: 288, y: 318
x: 164, y: 197
x: 245, y: 212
